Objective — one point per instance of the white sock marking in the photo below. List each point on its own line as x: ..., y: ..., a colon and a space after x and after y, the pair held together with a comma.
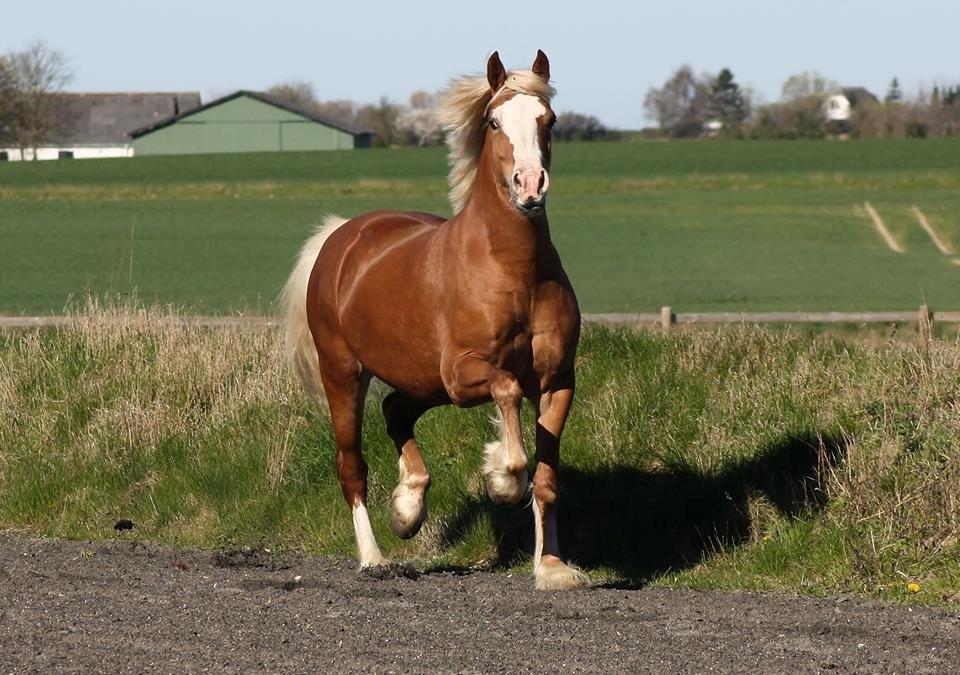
x: 409, y: 505
x: 538, y: 534
x: 503, y: 486
x: 366, y: 543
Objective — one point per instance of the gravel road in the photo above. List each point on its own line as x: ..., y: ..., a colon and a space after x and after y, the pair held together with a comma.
x: 125, y: 606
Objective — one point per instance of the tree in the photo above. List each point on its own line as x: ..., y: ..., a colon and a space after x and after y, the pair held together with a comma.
x: 726, y: 102
x: 806, y: 84
x: 298, y: 93
x: 382, y: 120
x: 7, y: 97
x: 420, y: 123
x: 573, y: 126
x: 342, y: 112
x: 679, y: 106
x: 893, y: 93
x: 422, y: 100
x: 32, y: 79
x: 951, y: 95
x: 30, y: 114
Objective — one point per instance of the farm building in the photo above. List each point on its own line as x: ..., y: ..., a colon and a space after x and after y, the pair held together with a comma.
x: 88, y: 125
x: 838, y: 106
x: 246, y: 121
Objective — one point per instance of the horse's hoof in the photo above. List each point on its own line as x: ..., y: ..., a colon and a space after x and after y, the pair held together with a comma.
x: 552, y: 574
x: 409, y: 510
x: 376, y: 561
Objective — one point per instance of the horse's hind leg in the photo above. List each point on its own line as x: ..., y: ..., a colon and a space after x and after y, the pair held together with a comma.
x: 346, y: 390
x: 409, y: 498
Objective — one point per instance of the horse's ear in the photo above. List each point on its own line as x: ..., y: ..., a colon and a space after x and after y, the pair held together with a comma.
x: 496, y: 73
x: 541, y: 66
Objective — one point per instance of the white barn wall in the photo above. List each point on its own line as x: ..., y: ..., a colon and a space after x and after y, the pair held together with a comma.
x: 79, y: 152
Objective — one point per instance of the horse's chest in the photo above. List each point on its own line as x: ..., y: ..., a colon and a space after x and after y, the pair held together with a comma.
x: 508, y: 336
x: 522, y: 338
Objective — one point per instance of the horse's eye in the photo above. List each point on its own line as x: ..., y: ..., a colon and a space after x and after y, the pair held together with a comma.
x: 553, y: 120
x: 494, y: 124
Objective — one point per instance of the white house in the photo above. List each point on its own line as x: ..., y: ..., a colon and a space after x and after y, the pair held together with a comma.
x: 99, y: 125
x: 837, y: 108
x: 839, y: 105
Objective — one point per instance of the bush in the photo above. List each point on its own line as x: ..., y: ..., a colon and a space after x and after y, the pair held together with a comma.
x: 573, y: 126
x: 799, y: 118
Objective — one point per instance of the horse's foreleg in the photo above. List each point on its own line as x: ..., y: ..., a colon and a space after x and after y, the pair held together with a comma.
x: 409, y: 498
x: 506, y: 460
x: 345, y: 397
x: 471, y: 380
x: 550, y: 571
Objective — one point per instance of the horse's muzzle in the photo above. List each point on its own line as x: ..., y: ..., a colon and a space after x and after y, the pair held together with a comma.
x: 529, y: 189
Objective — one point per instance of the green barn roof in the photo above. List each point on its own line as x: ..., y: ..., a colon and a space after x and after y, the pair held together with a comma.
x: 258, y: 96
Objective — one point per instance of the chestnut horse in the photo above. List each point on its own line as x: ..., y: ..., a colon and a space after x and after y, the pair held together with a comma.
x: 461, y: 311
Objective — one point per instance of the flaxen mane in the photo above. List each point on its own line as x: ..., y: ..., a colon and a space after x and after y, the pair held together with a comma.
x: 462, y: 110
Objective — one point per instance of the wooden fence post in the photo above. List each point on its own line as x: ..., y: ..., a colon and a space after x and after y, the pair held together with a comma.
x: 666, y: 318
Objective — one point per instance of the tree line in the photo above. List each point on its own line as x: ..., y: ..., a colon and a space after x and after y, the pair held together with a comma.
x: 416, y: 122
x: 688, y: 105
x: 31, y: 114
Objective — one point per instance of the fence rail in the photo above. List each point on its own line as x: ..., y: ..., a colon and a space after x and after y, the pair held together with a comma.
x: 665, y: 318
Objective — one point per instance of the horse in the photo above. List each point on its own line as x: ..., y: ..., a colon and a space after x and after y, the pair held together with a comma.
x: 460, y: 311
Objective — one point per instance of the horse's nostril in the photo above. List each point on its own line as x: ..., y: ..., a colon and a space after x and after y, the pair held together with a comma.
x: 516, y: 178
x: 543, y: 178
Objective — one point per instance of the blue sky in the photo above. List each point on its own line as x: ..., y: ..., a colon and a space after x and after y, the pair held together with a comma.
x: 604, y: 55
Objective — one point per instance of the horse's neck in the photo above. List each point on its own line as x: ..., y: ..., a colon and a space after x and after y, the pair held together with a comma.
x: 506, y: 236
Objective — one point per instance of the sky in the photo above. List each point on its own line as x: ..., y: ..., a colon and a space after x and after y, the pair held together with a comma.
x: 604, y: 55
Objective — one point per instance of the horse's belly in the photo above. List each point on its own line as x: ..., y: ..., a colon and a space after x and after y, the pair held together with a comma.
x: 402, y: 355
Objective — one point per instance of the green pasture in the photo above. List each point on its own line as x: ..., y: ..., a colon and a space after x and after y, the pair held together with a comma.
x: 711, y: 226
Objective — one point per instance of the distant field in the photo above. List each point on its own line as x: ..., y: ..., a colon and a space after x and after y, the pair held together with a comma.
x: 718, y: 226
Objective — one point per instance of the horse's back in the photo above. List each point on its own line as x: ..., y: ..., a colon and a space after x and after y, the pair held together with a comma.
x: 376, y: 286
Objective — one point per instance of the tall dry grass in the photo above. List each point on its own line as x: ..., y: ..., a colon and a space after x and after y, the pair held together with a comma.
x: 737, y: 457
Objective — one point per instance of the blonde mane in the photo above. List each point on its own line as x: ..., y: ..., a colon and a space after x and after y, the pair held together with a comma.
x: 463, y: 107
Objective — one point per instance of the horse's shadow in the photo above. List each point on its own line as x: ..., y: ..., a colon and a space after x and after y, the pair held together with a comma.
x: 644, y: 523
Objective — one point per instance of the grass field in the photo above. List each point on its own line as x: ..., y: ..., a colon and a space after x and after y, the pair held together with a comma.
x: 736, y: 458
x: 722, y: 226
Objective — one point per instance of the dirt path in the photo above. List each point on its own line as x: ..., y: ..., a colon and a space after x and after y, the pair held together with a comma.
x: 129, y: 607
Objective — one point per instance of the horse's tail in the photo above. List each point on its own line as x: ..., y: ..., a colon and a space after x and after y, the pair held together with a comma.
x: 301, y: 349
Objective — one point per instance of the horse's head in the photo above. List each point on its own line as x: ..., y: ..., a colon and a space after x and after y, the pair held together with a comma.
x: 518, y: 133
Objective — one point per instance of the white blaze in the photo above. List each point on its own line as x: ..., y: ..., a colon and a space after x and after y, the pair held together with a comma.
x: 518, y: 119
